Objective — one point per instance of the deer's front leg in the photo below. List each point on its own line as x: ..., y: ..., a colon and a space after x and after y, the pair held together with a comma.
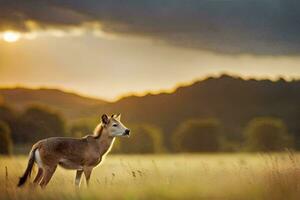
x: 87, y: 173
x: 78, y: 177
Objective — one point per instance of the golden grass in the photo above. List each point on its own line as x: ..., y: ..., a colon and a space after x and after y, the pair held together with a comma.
x: 219, y: 176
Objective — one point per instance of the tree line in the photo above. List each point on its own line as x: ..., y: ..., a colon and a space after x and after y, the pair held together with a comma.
x: 192, y: 135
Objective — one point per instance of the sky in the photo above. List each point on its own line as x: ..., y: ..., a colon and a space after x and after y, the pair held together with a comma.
x: 108, y: 49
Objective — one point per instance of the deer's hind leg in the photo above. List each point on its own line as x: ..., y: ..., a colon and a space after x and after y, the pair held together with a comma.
x: 48, y: 173
x: 38, y: 177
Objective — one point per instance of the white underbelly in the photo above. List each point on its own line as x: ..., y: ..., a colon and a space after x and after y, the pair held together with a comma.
x: 68, y: 164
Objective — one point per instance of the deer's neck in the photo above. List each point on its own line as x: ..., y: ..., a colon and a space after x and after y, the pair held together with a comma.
x: 105, y: 143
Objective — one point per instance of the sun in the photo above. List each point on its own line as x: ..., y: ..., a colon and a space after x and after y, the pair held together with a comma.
x: 11, y: 36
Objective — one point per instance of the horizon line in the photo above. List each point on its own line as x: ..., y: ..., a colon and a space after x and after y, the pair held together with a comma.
x: 151, y: 92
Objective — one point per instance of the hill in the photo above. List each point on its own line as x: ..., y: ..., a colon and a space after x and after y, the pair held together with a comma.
x: 232, y: 100
x: 69, y: 104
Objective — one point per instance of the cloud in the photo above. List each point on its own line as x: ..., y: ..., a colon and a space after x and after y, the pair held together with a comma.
x: 267, y: 27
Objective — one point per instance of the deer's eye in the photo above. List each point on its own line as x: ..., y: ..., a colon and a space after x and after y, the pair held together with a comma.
x: 115, y: 125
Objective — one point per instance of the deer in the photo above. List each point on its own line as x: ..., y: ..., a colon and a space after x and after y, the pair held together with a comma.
x: 80, y: 154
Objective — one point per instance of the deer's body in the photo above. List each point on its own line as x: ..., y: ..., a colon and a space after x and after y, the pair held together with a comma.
x: 73, y: 153
x: 81, y: 154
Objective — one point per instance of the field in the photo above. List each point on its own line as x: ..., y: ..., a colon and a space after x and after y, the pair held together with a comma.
x: 183, y: 176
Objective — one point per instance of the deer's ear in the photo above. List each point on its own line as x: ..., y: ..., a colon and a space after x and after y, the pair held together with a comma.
x: 118, y: 117
x: 104, y: 119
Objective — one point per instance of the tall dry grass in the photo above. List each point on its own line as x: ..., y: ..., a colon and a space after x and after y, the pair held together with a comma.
x: 219, y: 176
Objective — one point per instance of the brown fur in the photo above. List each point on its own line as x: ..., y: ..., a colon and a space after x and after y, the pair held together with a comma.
x: 81, y: 154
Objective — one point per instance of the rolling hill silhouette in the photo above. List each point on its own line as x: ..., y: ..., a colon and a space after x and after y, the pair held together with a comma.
x: 69, y: 104
x: 232, y: 100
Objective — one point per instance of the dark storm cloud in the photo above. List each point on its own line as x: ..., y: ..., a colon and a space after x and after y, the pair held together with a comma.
x: 228, y: 26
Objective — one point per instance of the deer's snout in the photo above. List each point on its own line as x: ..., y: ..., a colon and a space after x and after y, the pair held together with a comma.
x: 127, y: 132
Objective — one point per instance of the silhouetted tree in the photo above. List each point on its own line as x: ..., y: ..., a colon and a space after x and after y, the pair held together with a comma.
x: 80, y: 129
x: 6, y: 144
x: 143, y: 139
x: 267, y: 134
x: 197, y: 135
x: 1, y: 100
x: 37, y: 123
x: 7, y: 114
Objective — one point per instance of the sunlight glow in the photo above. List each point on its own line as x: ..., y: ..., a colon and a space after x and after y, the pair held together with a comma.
x: 11, y: 36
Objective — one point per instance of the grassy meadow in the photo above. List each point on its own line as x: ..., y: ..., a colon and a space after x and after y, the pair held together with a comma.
x: 183, y: 176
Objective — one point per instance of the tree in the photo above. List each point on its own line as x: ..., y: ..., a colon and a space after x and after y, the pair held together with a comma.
x: 7, y: 114
x: 5, y: 139
x: 1, y: 100
x: 197, y: 135
x: 267, y: 134
x: 80, y: 130
x: 143, y: 139
x: 37, y: 123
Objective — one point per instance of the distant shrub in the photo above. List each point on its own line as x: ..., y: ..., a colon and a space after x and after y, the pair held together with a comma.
x: 7, y: 114
x: 1, y: 100
x: 6, y: 144
x: 143, y: 139
x: 9, y: 117
x: 37, y: 123
x: 267, y: 134
x: 80, y: 130
x: 197, y: 135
